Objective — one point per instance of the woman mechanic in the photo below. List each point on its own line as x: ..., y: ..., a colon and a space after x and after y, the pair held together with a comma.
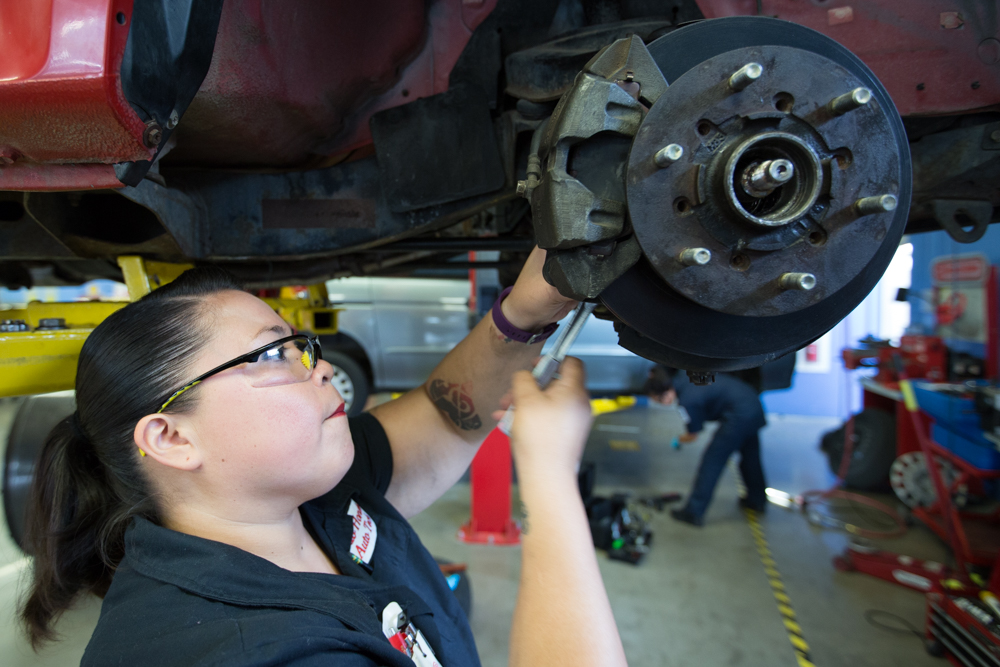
x: 211, y: 489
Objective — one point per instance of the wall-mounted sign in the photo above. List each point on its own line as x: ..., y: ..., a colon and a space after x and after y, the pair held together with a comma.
x: 968, y: 268
x: 960, y: 296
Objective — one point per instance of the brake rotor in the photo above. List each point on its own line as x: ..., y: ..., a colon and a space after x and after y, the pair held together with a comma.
x: 911, y: 480
x: 767, y: 188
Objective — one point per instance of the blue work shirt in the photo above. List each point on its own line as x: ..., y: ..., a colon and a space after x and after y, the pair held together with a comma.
x: 727, y: 399
x: 177, y: 599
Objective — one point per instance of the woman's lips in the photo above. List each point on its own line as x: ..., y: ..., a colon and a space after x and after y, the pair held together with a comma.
x: 339, y: 411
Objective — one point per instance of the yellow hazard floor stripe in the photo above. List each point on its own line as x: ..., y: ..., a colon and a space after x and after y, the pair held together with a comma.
x: 784, y: 603
x: 781, y: 598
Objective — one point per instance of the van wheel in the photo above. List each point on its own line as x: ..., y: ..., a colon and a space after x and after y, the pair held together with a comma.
x: 349, y: 380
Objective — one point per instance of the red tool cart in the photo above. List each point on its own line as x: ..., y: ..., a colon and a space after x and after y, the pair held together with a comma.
x: 940, y: 435
x: 961, y: 625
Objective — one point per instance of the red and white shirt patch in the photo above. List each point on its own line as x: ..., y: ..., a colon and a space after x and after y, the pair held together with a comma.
x: 363, y: 534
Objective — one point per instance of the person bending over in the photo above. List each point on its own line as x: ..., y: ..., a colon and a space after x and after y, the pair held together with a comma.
x: 737, y: 406
x: 210, y: 487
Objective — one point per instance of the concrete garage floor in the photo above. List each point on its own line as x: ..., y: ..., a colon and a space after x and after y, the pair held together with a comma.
x: 700, y: 597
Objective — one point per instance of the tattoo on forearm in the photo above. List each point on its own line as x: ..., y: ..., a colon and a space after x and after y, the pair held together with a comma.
x: 455, y: 402
x: 504, y: 339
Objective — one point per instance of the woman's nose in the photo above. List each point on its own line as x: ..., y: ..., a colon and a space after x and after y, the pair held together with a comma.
x: 323, y: 373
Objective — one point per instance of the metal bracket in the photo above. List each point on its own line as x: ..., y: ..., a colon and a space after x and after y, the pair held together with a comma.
x: 627, y: 60
x: 311, y: 313
x: 606, y: 97
x: 581, y: 275
x: 950, y: 214
x: 142, y: 276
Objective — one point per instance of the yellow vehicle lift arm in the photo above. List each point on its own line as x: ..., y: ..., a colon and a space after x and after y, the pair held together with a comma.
x: 40, y: 355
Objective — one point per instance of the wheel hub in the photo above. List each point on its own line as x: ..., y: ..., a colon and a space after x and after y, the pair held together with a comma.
x: 738, y: 213
x: 764, y: 183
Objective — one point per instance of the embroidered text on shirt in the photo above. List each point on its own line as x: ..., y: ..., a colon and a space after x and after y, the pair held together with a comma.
x: 363, y: 534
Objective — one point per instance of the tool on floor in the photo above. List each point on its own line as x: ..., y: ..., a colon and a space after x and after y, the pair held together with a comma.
x: 549, y: 364
x: 660, y: 501
x: 618, y: 524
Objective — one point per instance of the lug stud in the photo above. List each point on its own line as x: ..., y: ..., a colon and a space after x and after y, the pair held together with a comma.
x: 744, y: 76
x: 667, y: 155
x: 876, y: 204
x: 695, y: 256
x: 855, y: 99
x: 797, y: 281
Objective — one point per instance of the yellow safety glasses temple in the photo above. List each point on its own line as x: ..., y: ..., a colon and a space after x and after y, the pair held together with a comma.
x: 311, y: 354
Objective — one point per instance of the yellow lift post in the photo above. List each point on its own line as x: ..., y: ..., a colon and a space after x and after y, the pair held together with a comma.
x: 39, y: 353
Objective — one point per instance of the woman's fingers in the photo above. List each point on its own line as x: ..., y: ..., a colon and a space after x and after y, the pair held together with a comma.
x: 505, y: 401
x: 523, y: 387
x: 572, y: 373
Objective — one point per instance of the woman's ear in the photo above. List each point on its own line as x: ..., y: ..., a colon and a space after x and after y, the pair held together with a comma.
x: 162, y: 439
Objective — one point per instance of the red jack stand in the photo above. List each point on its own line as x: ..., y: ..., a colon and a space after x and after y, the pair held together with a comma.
x: 490, y: 480
x: 920, y: 575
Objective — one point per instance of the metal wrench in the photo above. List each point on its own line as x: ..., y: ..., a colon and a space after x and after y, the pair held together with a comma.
x: 548, y: 365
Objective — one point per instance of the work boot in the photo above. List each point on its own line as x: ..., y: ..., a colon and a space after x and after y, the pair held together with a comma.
x: 747, y: 505
x: 687, y: 516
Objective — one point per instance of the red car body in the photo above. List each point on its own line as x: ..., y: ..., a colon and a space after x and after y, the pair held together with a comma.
x: 293, y: 84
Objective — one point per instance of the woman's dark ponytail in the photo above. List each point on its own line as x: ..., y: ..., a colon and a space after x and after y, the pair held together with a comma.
x: 89, y: 483
x: 70, y: 500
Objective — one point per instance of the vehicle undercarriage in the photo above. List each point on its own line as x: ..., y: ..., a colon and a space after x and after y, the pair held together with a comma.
x: 728, y: 189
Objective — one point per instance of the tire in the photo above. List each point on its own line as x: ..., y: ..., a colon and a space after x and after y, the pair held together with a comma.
x: 873, y: 453
x: 36, y: 416
x: 350, y: 380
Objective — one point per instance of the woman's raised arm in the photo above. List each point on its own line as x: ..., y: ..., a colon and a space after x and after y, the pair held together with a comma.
x: 435, y: 430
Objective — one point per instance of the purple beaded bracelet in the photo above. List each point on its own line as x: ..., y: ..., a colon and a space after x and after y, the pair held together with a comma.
x: 513, y: 333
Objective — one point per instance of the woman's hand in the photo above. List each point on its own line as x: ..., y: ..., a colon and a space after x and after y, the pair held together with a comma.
x: 562, y: 615
x: 550, y: 427
x: 533, y: 303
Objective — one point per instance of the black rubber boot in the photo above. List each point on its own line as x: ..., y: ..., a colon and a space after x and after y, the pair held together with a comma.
x: 687, y: 516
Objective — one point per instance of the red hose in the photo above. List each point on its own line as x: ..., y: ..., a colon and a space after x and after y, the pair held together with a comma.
x: 815, y: 496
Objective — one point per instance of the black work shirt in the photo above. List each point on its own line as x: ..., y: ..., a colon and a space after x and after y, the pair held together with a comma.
x: 177, y: 599
x: 727, y: 399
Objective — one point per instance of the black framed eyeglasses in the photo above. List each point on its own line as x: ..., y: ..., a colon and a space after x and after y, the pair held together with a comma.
x: 285, y: 361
